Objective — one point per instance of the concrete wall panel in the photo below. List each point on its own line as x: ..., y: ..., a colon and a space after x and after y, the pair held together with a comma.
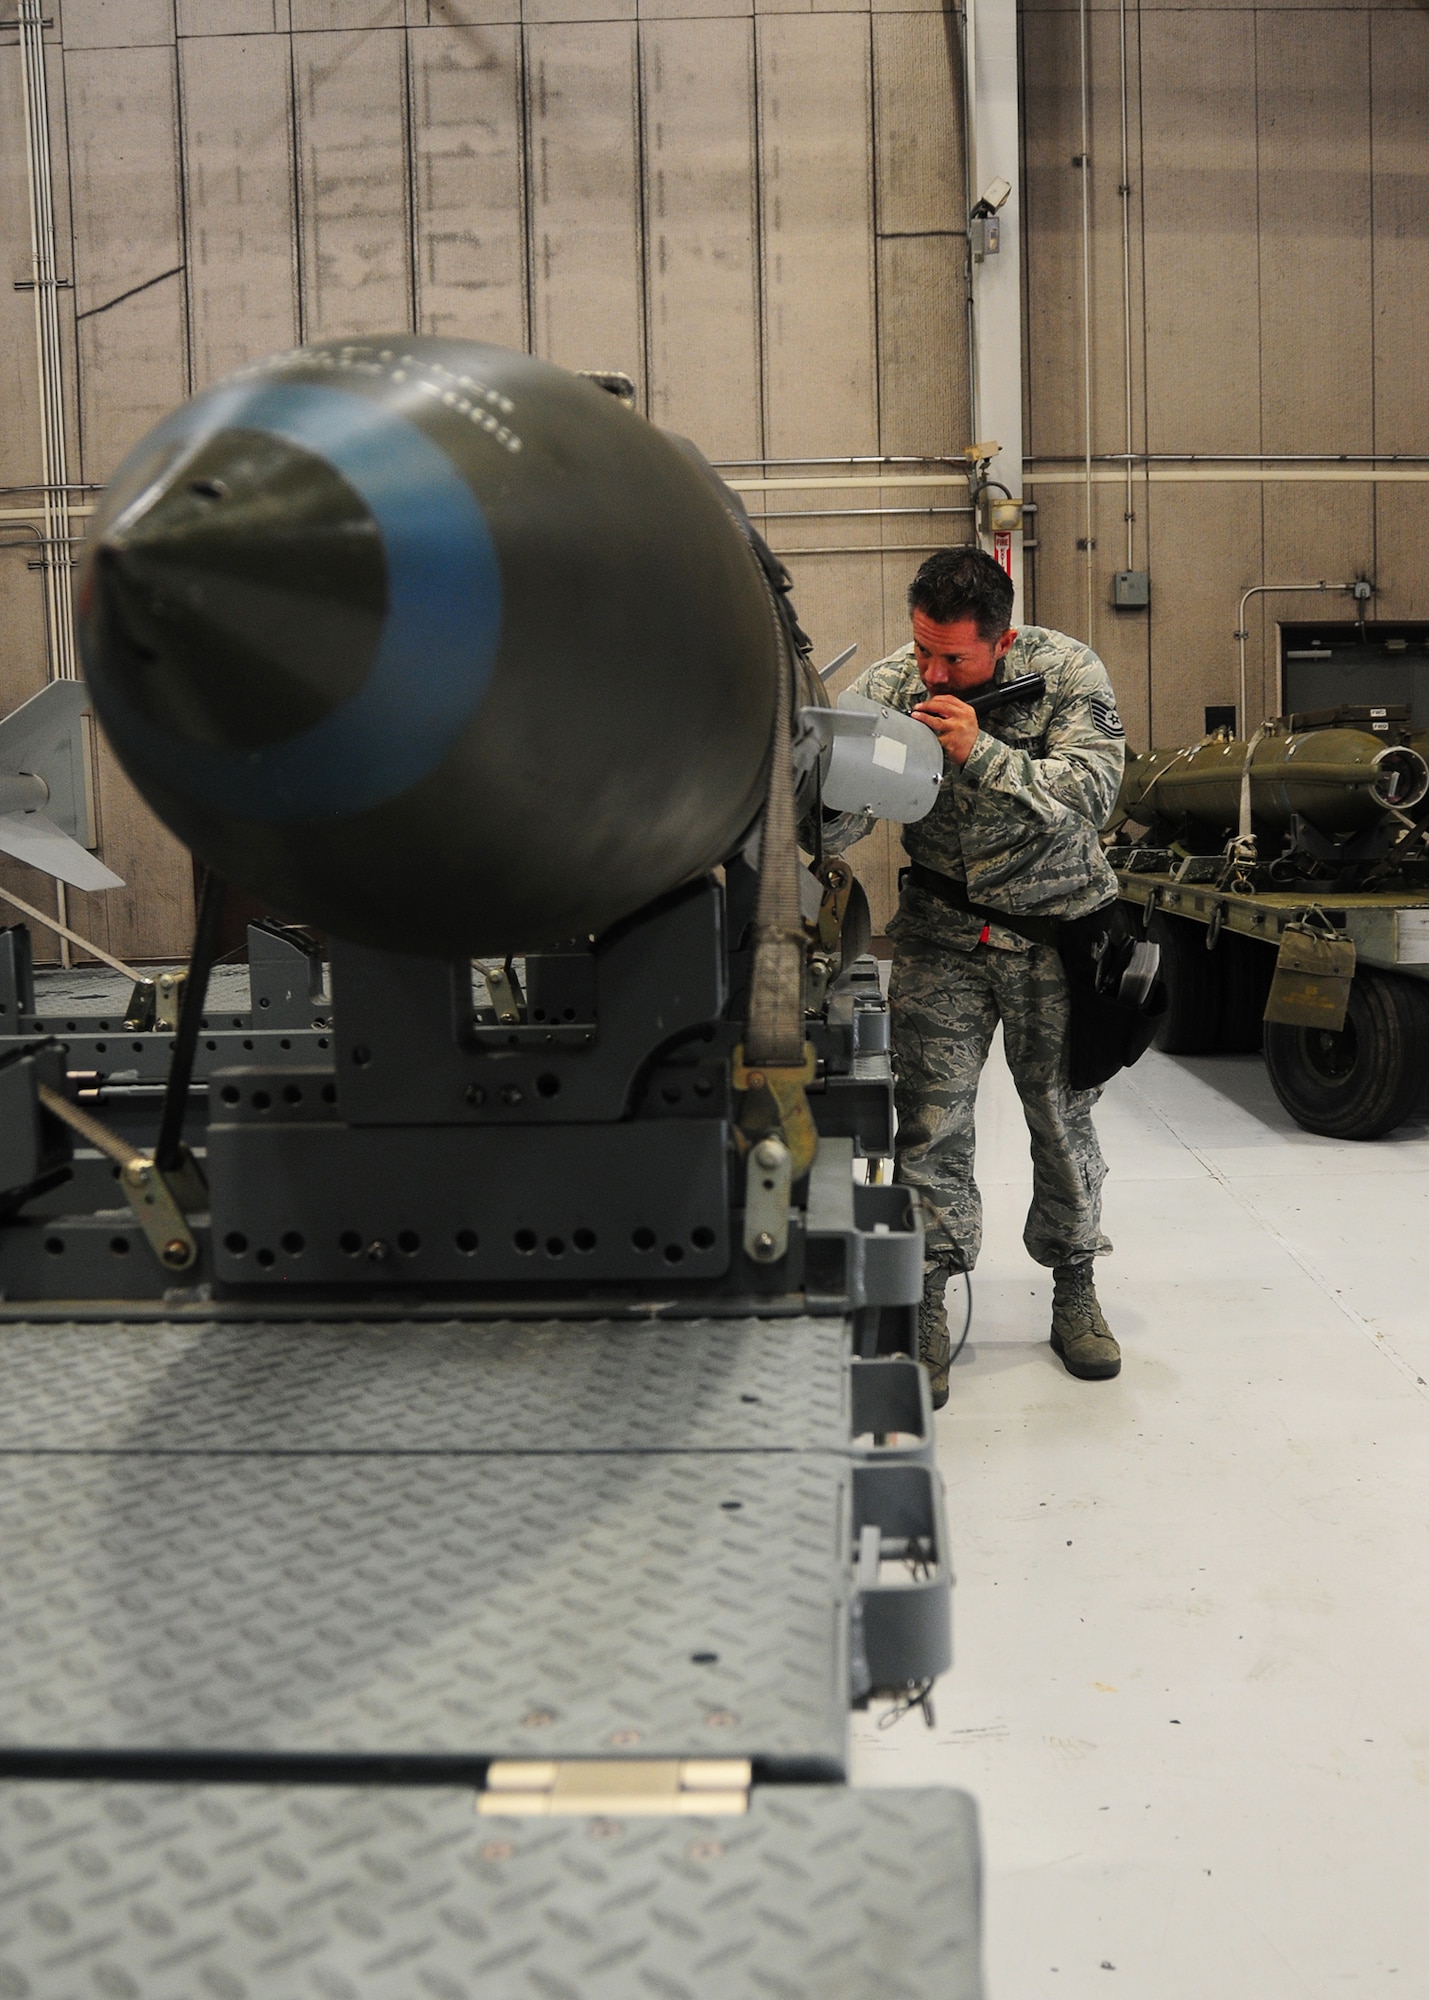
x: 319, y: 14
x: 237, y: 106
x: 921, y: 216
x: 117, y: 24
x: 701, y: 226
x: 1401, y: 537
x: 1051, y: 215
x: 1202, y: 257
x: 819, y: 313
x: 129, y: 277
x: 232, y: 17
x: 1316, y: 300
x: 922, y: 348
x: 355, y: 257
x: 586, y: 252
x: 918, y: 135
x: 1399, y: 84
x: 469, y: 183
x: 1212, y: 538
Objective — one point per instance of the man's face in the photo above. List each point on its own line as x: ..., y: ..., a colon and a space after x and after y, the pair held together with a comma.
x: 954, y: 657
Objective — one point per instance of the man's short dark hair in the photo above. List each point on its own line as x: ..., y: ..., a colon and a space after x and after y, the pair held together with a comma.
x: 963, y: 583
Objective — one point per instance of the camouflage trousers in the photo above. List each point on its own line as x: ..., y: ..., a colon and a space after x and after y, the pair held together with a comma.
x: 945, y: 1006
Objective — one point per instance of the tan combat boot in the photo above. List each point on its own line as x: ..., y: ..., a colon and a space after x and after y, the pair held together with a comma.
x: 934, y: 1343
x: 1080, y: 1335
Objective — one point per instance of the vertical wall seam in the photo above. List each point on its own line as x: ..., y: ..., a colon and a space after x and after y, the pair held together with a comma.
x: 1088, y: 506
x: 181, y: 175
x: 871, y: 84
x: 79, y: 445
x: 757, y: 225
x: 1145, y: 344
x: 875, y: 282
x: 1124, y: 78
x: 1024, y: 252
x: 761, y: 290
x: 1242, y: 721
x: 642, y: 219
x: 1373, y: 315
x: 409, y: 152
x: 300, y: 306
x: 528, y: 204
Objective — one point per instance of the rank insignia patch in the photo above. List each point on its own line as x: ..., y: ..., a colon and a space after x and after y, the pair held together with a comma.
x: 1105, y: 717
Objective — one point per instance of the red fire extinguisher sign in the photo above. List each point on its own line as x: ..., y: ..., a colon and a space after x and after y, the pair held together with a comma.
x: 1002, y: 548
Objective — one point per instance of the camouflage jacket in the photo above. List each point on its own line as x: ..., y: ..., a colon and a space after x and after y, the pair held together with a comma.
x: 1018, y: 823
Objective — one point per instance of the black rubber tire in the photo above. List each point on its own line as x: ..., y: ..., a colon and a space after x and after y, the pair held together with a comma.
x: 1363, y: 1082
x: 1246, y: 968
x: 1191, y: 1025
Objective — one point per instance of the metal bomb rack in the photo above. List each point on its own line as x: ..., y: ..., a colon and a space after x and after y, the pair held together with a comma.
x: 465, y: 1555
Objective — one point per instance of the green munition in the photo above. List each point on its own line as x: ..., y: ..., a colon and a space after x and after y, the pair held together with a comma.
x: 1302, y: 927
x: 1338, y: 780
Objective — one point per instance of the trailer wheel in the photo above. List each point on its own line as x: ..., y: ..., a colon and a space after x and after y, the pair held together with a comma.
x: 1191, y: 1025
x: 1246, y: 969
x: 1368, y: 1078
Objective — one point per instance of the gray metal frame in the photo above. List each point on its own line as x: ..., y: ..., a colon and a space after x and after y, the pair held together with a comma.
x: 375, y: 1495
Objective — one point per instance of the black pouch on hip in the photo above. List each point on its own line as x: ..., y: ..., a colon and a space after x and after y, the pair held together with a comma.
x: 1116, y: 992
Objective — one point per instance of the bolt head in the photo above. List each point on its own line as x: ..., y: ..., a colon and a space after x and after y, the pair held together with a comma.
x: 756, y: 1079
x: 764, y: 1242
x: 769, y: 1153
x: 176, y: 1252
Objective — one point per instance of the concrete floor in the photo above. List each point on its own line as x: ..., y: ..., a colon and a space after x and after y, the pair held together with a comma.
x: 1192, y: 1617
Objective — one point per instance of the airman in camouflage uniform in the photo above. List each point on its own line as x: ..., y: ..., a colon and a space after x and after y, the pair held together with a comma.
x: 1014, y: 829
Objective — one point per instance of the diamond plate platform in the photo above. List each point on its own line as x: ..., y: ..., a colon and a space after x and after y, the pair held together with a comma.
x: 517, y: 1386
x: 426, y: 1606
x: 224, y: 1892
x: 426, y: 1541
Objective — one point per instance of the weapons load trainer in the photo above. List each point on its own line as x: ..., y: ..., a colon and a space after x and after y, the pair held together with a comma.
x: 498, y: 1393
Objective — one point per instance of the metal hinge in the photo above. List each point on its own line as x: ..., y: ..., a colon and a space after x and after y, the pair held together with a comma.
x: 632, y: 1786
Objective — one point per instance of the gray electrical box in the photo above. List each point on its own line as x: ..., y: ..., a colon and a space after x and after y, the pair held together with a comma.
x: 1131, y: 589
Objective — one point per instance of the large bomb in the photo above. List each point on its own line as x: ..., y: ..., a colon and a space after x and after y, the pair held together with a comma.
x: 432, y: 644
x: 1339, y: 780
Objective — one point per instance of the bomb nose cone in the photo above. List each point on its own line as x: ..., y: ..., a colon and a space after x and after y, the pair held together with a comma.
x: 256, y: 558
x: 432, y: 645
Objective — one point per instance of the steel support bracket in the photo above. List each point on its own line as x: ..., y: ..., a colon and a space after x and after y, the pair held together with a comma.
x: 769, y: 1180
x: 168, y: 999
x: 158, y: 1199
